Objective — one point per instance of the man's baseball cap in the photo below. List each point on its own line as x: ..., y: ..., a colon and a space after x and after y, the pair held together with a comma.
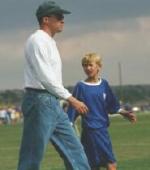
x: 50, y: 8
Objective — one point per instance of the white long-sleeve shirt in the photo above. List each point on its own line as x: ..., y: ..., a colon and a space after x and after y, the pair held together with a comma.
x: 43, y: 67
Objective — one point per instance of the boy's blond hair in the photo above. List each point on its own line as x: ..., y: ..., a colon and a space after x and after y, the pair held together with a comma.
x: 92, y: 57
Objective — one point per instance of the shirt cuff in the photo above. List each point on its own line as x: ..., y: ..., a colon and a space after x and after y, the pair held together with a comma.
x: 120, y: 110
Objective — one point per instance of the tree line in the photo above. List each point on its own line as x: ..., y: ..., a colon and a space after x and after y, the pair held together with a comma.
x: 128, y: 93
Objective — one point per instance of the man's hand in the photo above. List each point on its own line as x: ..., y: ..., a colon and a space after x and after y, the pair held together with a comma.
x: 129, y: 115
x: 78, y: 105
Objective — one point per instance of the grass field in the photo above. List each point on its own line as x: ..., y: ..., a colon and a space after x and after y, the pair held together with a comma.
x: 131, y: 145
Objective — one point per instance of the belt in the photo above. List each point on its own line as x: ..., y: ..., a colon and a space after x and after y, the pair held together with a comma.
x: 29, y: 89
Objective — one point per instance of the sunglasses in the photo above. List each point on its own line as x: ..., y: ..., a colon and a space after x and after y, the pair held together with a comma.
x: 58, y: 16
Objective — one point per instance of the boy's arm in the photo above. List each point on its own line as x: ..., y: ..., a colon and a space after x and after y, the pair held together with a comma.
x: 76, y: 106
x: 114, y: 106
x: 128, y: 114
x: 75, y: 100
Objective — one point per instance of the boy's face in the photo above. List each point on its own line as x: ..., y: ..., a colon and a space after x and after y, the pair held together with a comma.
x: 91, y: 69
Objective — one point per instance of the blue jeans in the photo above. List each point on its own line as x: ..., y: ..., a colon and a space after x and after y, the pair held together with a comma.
x: 45, y: 120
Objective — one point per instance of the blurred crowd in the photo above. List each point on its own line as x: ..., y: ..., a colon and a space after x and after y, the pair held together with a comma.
x: 10, y: 115
x: 13, y: 115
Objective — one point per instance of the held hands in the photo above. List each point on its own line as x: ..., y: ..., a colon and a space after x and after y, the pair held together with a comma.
x: 79, y: 106
x: 128, y: 115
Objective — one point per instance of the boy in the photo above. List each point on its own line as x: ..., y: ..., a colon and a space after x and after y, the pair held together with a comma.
x: 96, y: 93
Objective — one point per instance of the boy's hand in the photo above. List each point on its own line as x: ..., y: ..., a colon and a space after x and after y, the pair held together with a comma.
x: 129, y: 115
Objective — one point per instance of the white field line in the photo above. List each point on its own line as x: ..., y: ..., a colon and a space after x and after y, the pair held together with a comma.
x: 9, y: 148
x: 123, y: 144
x: 139, y: 144
x: 138, y: 113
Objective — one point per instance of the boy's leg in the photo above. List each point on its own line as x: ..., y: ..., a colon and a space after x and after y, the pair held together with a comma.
x: 39, y: 123
x: 65, y: 138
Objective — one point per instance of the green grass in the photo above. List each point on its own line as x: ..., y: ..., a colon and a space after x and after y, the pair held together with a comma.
x: 131, y: 143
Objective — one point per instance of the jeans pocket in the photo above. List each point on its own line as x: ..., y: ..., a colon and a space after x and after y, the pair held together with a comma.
x: 48, y: 101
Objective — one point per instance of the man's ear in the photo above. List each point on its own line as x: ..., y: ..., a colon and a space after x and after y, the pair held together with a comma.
x: 45, y: 19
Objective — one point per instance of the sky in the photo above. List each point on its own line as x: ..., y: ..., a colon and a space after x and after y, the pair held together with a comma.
x: 118, y: 30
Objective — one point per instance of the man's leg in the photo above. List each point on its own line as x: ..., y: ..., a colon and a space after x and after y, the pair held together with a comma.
x: 65, y: 138
x: 39, y: 123
x: 67, y: 164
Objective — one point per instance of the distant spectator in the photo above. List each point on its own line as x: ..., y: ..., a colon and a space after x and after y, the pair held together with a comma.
x: 3, y: 116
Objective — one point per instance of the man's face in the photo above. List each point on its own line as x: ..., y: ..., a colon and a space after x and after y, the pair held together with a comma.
x: 56, y: 22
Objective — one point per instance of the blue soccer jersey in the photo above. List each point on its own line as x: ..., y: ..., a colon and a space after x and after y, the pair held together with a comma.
x: 100, y: 101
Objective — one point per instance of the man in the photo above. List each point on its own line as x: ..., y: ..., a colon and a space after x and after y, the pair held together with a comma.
x: 44, y: 119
